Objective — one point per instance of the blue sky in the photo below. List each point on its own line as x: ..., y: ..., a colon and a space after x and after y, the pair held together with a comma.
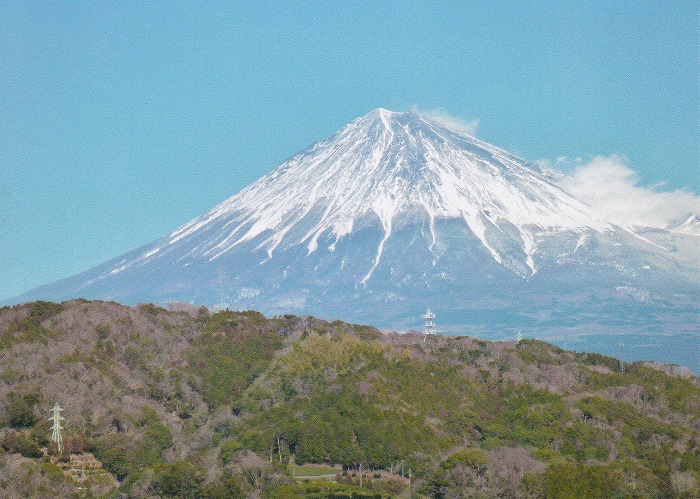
x: 120, y: 121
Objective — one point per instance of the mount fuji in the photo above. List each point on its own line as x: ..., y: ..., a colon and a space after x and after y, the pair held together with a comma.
x: 398, y: 212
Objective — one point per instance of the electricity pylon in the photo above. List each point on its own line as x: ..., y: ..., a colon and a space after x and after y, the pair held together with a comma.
x: 56, y: 419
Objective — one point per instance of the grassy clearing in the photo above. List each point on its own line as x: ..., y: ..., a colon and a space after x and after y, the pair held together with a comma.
x: 311, y: 469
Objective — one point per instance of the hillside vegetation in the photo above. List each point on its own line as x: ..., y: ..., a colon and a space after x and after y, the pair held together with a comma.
x: 188, y: 403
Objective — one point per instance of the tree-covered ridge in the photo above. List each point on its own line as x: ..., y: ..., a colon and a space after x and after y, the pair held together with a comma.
x: 187, y: 403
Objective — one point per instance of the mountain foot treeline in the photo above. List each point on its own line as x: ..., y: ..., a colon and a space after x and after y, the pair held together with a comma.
x: 184, y: 402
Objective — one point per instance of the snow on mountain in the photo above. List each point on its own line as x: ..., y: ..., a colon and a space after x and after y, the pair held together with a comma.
x: 388, y: 166
x: 690, y: 226
x: 397, y: 212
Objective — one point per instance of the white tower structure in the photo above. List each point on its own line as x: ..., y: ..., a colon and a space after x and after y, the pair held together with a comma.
x: 56, y: 419
x: 429, y: 318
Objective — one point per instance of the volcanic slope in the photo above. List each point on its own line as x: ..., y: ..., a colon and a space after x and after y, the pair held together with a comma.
x: 397, y: 212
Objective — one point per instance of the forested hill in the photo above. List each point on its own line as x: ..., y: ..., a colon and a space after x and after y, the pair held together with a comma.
x: 189, y: 403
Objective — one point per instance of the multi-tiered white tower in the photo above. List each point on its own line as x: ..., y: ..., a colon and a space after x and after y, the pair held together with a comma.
x: 429, y: 318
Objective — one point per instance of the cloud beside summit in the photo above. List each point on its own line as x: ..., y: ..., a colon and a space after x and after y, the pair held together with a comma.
x: 608, y: 186
x: 611, y: 188
x: 442, y: 118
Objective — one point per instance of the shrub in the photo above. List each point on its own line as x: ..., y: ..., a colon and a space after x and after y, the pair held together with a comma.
x: 229, y: 486
x: 112, y: 452
x: 224, y: 429
x: 567, y: 480
x: 18, y: 442
x: 229, y: 450
x: 21, y: 412
x: 158, y: 434
x: 474, y: 458
x: 103, y: 331
x: 180, y: 479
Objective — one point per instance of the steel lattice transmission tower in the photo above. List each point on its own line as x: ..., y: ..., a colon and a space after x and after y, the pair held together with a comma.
x: 56, y: 419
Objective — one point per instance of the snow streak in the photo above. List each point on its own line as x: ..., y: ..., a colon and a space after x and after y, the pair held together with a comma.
x: 380, y: 169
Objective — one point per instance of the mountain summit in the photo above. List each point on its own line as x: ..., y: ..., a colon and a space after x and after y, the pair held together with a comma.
x: 397, y: 212
x: 388, y: 168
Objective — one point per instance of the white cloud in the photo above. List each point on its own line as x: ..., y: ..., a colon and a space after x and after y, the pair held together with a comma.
x: 441, y: 117
x: 613, y: 192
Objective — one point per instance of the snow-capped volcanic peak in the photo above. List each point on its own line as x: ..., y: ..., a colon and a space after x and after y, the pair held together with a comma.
x: 399, y: 211
x: 387, y: 165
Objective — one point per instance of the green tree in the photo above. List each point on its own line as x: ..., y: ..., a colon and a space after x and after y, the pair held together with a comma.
x: 180, y: 479
x: 570, y: 481
x: 21, y: 412
x: 229, y: 486
x: 229, y: 450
